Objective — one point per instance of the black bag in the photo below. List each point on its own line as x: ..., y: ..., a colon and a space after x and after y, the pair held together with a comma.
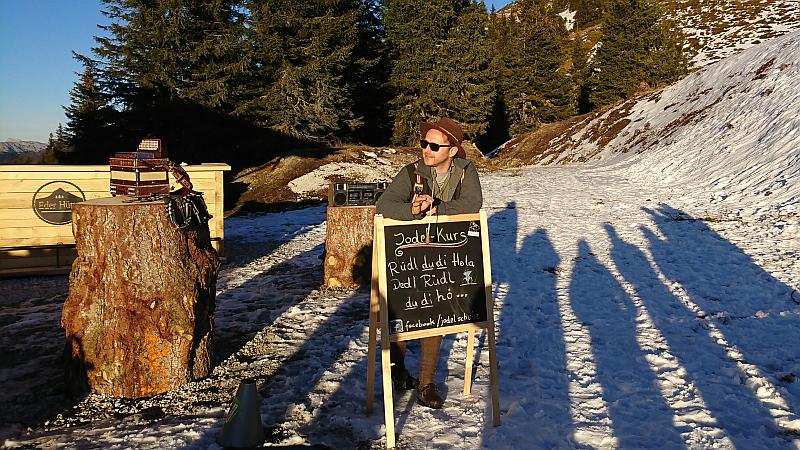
x: 187, y: 211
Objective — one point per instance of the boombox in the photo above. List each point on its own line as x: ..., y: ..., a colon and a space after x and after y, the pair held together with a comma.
x: 355, y: 194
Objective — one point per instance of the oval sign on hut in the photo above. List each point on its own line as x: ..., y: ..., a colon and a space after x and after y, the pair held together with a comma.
x: 53, y: 201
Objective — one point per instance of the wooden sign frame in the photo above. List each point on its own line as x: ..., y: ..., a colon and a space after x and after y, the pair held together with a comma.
x: 379, y: 319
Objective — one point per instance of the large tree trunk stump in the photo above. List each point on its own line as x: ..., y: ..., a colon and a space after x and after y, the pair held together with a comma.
x: 348, y: 246
x: 140, y: 308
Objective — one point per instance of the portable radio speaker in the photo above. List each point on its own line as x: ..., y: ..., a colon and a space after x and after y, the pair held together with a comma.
x: 355, y: 194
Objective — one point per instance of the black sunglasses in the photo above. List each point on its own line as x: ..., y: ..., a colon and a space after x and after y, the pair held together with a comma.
x: 434, y: 146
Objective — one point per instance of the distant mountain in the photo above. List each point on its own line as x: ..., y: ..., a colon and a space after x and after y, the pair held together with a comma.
x: 15, y: 151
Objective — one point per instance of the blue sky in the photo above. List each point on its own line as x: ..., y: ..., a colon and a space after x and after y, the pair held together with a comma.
x: 37, y: 70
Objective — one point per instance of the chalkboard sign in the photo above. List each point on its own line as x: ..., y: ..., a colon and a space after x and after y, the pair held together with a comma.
x: 430, y: 277
x: 438, y: 283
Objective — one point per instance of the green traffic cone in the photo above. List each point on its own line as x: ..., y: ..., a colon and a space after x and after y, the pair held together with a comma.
x: 243, y: 427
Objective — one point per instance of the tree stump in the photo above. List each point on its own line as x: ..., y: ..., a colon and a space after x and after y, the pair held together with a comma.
x: 140, y: 308
x: 348, y: 246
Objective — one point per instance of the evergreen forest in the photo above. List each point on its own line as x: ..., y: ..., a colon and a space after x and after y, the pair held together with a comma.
x: 242, y: 81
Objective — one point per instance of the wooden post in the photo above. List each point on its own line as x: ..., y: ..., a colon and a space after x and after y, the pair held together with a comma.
x: 139, y: 312
x: 386, y: 362
x: 374, y: 311
x: 493, y: 375
x: 468, y: 364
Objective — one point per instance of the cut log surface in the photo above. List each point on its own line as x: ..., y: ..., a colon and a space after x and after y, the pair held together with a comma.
x: 348, y: 246
x: 139, y: 313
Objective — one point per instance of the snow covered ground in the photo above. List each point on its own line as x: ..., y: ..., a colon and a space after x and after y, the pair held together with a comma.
x: 634, y: 310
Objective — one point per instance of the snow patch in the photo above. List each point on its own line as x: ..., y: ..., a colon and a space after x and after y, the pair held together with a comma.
x: 324, y: 175
x: 569, y: 18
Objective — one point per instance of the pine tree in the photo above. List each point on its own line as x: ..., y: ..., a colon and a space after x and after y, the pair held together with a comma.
x: 50, y: 151
x: 462, y: 84
x: 638, y: 48
x: 372, y: 97
x: 172, y: 67
x: 90, y: 136
x: 414, y: 30
x: 312, y: 60
x: 50, y: 155
x: 498, y: 36
x: 666, y: 60
x: 588, y: 12
x: 531, y: 79
x: 440, y: 65
x: 179, y: 48
x: 580, y: 71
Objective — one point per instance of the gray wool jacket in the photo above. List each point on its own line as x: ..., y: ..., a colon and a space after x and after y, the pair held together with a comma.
x: 395, y: 203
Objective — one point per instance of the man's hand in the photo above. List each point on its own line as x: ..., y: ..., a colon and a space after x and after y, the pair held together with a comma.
x: 431, y: 212
x: 420, y: 203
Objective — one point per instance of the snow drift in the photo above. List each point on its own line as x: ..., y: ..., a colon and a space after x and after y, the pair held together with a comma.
x: 730, y: 130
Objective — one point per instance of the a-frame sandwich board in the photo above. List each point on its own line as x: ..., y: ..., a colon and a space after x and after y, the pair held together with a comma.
x: 380, y: 296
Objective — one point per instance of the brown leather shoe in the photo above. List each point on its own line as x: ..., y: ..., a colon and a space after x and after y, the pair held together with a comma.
x: 428, y: 395
x: 402, y: 380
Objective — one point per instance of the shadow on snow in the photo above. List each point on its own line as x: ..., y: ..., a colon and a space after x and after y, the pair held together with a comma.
x: 640, y: 417
x: 534, y: 388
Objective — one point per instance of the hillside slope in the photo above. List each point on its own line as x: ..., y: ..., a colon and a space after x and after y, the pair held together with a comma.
x: 736, y: 119
x: 716, y: 29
